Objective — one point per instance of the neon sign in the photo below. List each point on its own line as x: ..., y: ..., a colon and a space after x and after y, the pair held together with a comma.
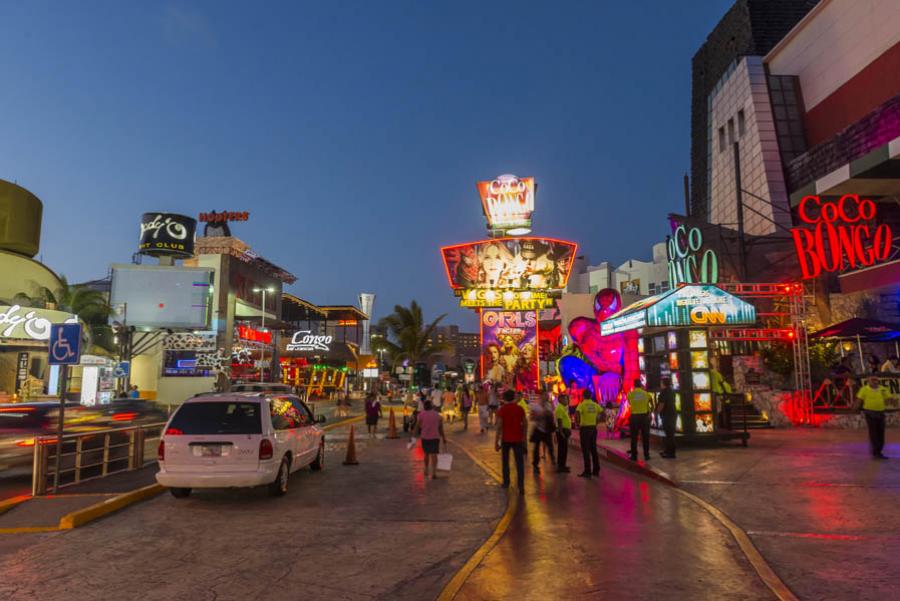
x: 305, y: 340
x: 508, y: 204
x: 254, y: 335
x: 27, y: 323
x: 525, y: 300
x: 842, y: 237
x: 224, y: 216
x: 683, y: 251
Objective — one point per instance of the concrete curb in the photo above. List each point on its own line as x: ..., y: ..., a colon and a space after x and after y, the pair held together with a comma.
x: 7, y: 504
x: 624, y: 462
x: 103, y: 508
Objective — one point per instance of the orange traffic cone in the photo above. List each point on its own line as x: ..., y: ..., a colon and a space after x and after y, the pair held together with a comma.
x: 350, y: 459
x: 392, y: 425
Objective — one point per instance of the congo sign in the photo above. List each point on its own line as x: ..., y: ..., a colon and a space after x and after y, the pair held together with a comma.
x: 843, y: 236
x: 305, y: 341
x: 687, y: 264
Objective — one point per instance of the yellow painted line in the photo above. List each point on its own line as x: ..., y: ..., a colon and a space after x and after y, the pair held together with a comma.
x: 7, y: 504
x: 345, y: 422
x: 27, y: 529
x: 98, y: 510
x: 512, y: 505
x: 757, y: 561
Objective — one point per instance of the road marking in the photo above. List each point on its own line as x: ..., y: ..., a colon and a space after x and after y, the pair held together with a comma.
x: 757, y: 561
x: 98, y: 510
x: 27, y: 529
x: 822, y: 535
x: 7, y: 504
x: 453, y: 587
x: 345, y: 422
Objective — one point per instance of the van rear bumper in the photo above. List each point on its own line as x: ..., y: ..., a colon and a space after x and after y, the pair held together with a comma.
x: 202, y: 479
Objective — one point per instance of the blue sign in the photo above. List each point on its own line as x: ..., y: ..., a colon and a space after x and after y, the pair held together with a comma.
x: 65, y: 344
x: 122, y: 369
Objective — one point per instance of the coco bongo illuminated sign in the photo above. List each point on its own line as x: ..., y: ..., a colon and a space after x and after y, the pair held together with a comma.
x: 508, y: 203
x: 687, y: 264
x: 843, y: 236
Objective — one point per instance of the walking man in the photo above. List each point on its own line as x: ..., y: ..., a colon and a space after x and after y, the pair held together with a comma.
x: 586, y: 416
x: 665, y: 408
x: 563, y: 432
x: 873, y: 397
x: 465, y: 405
x: 639, y: 400
x: 510, y: 436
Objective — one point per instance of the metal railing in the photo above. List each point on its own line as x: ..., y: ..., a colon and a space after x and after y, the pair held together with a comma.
x: 91, y: 455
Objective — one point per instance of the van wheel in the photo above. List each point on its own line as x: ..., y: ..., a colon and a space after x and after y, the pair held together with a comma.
x: 279, y: 487
x: 180, y: 493
x: 319, y: 461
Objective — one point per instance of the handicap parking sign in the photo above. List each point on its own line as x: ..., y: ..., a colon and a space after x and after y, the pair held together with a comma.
x: 65, y: 344
x: 122, y: 369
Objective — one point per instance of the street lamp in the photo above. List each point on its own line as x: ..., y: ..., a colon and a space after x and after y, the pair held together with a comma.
x: 263, y: 328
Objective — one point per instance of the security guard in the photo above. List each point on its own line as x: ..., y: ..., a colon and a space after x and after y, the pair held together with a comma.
x: 872, y: 397
x: 586, y: 415
x: 639, y: 401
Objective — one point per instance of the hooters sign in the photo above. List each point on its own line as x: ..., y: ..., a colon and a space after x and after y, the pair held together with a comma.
x: 843, y: 235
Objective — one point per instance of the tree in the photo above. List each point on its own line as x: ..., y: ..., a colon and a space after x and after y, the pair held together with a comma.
x: 408, y: 336
x: 89, y: 305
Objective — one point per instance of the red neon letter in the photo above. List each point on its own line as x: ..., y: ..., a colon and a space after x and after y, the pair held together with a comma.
x: 805, y: 252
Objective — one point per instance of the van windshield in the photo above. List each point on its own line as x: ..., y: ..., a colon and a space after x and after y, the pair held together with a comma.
x: 217, y: 418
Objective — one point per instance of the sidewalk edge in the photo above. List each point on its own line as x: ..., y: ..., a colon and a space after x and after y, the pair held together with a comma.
x: 7, y: 504
x: 103, y: 508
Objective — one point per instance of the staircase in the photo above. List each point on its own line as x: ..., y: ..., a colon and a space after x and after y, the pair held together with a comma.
x: 755, y: 420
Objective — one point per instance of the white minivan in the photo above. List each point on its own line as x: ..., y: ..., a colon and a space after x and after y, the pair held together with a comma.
x: 239, y: 440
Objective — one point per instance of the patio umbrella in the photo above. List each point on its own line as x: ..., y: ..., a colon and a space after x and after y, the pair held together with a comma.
x: 861, y: 330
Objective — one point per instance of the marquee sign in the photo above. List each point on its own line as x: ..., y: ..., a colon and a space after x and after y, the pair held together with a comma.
x: 687, y: 264
x: 524, y: 300
x: 508, y: 204
x: 843, y: 235
x: 27, y: 323
x: 306, y: 341
x: 254, y: 335
x: 500, y: 264
x: 167, y: 235
x: 692, y: 305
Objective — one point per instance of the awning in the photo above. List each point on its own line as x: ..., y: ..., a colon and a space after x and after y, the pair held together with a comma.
x: 866, y: 330
x: 691, y: 305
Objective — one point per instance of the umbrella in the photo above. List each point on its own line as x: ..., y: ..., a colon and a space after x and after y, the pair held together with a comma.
x: 861, y: 330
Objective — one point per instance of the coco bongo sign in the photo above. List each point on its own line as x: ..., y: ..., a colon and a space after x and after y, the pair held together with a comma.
x: 842, y: 237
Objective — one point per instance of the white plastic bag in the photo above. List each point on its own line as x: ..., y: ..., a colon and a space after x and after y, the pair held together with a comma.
x: 411, y: 443
x: 445, y: 460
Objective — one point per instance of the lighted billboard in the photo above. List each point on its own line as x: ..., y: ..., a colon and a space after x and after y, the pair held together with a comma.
x: 153, y: 296
x: 509, y: 349
x: 530, y: 263
x: 508, y: 203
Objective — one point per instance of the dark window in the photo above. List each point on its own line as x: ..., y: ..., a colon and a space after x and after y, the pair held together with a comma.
x: 741, y: 125
x: 217, y: 418
x: 721, y: 139
x: 285, y: 415
x: 731, y: 131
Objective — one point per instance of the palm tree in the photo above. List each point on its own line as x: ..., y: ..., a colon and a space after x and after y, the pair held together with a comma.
x: 89, y: 305
x: 408, y: 336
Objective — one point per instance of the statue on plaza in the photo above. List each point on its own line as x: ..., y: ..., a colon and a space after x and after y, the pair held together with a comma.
x: 605, y: 365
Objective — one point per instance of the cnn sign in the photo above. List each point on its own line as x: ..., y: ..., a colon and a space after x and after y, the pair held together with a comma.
x: 842, y: 235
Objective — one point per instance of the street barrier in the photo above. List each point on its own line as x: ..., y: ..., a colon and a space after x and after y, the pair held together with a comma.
x: 92, y: 455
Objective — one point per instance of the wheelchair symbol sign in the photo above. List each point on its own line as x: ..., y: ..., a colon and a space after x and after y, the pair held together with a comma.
x: 65, y: 344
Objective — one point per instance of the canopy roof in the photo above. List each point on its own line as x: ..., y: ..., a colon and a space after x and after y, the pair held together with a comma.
x: 868, y: 330
x: 691, y: 305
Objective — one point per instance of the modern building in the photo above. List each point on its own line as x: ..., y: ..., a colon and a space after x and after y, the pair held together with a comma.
x: 634, y: 276
x: 464, y: 345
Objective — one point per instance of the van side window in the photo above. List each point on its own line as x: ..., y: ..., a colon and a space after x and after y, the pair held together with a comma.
x: 305, y: 414
x: 284, y: 414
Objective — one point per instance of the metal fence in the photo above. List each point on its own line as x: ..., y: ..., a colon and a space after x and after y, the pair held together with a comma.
x: 91, y: 455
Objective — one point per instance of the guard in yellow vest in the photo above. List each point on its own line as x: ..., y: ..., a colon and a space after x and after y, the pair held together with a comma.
x: 873, y: 397
x: 639, y: 422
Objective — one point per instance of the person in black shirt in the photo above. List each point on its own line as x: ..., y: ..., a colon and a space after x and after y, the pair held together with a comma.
x: 665, y: 408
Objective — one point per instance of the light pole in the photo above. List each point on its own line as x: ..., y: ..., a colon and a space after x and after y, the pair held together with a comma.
x: 262, y: 353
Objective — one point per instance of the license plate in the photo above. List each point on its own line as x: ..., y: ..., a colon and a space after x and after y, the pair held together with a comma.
x: 208, y: 451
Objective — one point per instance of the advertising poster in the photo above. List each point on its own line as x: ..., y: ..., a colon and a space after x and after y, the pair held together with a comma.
x: 509, y: 351
x: 510, y: 264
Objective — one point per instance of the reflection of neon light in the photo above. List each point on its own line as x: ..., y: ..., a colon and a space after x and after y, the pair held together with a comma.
x: 186, y: 363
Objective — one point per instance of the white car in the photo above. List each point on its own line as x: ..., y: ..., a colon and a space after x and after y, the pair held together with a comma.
x: 239, y: 440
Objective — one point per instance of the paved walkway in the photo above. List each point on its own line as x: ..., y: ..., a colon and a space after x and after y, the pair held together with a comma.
x: 818, y: 507
x: 619, y: 535
x: 378, y: 530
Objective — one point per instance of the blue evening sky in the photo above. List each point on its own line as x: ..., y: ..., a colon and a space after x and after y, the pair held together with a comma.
x: 353, y: 132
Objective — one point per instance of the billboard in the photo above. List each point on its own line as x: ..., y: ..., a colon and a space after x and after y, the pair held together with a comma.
x: 153, y: 296
x: 510, y: 264
x: 508, y: 203
x: 509, y: 348
x: 167, y: 235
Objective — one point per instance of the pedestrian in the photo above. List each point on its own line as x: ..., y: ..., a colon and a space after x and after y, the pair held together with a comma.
x: 874, y: 364
x: 437, y: 399
x: 511, y: 429
x: 481, y: 395
x: 448, y: 399
x: 373, y: 413
x: 430, y: 429
x: 891, y: 365
x: 493, y: 403
x: 665, y: 409
x: 542, y: 433
x: 563, y: 432
x: 465, y: 406
x: 872, y: 397
x: 639, y: 422
x: 586, y: 416
x: 133, y: 392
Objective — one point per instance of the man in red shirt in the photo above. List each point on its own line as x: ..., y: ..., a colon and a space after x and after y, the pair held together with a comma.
x: 511, y: 435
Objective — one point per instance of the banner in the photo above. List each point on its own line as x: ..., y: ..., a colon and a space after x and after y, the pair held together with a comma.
x: 509, y: 349
x: 510, y: 264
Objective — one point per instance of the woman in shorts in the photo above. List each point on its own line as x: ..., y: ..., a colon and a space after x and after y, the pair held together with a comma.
x: 373, y: 412
x: 430, y: 428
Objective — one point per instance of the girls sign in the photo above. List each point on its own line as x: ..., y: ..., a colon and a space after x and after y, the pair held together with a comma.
x: 843, y: 236
x: 509, y: 348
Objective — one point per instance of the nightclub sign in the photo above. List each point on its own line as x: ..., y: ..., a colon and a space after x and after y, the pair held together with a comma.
x: 26, y: 323
x: 525, y: 300
x: 167, y: 235
x: 508, y: 204
x: 305, y: 341
x: 213, y: 217
x: 688, y: 262
x: 841, y: 237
